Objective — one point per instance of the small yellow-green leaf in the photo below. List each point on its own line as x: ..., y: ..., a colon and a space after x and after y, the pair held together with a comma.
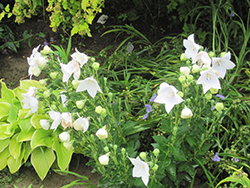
x: 4, y: 109
x: 15, y: 147
x: 7, y: 94
x: 4, y: 143
x: 4, y: 133
x: 26, y: 84
x: 4, y: 157
x: 28, y: 150
x: 42, y: 137
x: 15, y: 164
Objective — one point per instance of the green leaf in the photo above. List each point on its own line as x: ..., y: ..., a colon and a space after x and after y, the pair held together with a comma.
x: 7, y: 8
x: 171, y: 170
x: 4, y: 131
x: 4, y: 143
x: 15, y: 164
x: 237, y: 178
x: 24, y: 113
x: 35, y: 120
x: 42, y: 158
x: 15, y: 147
x: 26, y: 84
x: 166, y: 126
x: 42, y: 137
x: 63, y: 155
x: 27, y: 150
x: 3, y: 158
x: 7, y: 94
x: 11, y: 46
x: 14, y: 108
x: 4, y: 109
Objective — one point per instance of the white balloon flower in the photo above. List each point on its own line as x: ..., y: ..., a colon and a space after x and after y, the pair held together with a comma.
x: 89, y: 84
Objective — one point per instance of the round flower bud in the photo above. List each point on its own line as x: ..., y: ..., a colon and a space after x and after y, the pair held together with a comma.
x: 156, y: 152
x: 104, y: 112
x: 182, y: 79
x: 183, y: 57
x: 188, y: 62
x: 93, y: 59
x: 67, y: 145
x: 186, y: 113
x: 185, y: 70
x: 98, y: 109
x: 106, y: 149
x: 64, y: 137
x: 190, y: 78
x: 46, y: 94
x: 44, y: 124
x: 46, y: 50
x: 155, y: 167
x: 80, y: 104
x: 115, y: 147
x: 104, y: 159
x: 35, y: 70
x: 195, y: 68
x: 123, y: 150
x: 211, y: 54
x: 54, y: 107
x: 222, y: 54
x: 202, y: 48
x: 75, y: 84
x: 180, y: 93
x: 96, y: 65
x: 213, y: 91
x: 42, y: 82
x: 143, y: 155
x: 102, y: 133
x: 208, y: 96
x: 219, y: 106
x: 53, y: 75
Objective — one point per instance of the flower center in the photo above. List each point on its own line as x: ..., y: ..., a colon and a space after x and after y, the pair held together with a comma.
x: 143, y: 167
x: 219, y: 62
x: 208, y: 76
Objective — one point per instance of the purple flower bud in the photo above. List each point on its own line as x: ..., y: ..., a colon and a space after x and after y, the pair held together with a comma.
x: 216, y: 157
x: 5, y: 51
x: 149, y: 108
x: 153, y: 98
x: 232, y: 14
x: 145, y: 116
x: 220, y: 96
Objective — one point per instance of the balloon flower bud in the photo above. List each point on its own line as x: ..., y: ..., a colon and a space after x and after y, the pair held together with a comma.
x: 195, y: 68
x: 213, y: 91
x: 186, y: 113
x: 53, y: 75
x: 211, y: 54
x: 183, y: 57
x: 208, y: 95
x: 42, y: 82
x: 143, y: 155
x: 64, y: 137
x: 80, y: 104
x: 75, y: 84
x: 156, y: 152
x: 102, y: 133
x: 185, y: 70
x: 46, y: 94
x: 219, y: 106
x: 44, y: 124
x: 182, y: 79
x: 104, y: 159
x: 98, y: 109
x: 96, y: 65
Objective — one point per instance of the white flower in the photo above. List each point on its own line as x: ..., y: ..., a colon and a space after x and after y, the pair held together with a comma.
x: 56, y: 116
x: 80, y: 57
x: 44, y: 124
x: 186, y: 113
x: 64, y: 137
x: 104, y: 159
x: 167, y: 94
x: 102, y: 19
x: 209, y: 79
x: 46, y: 50
x: 141, y: 169
x: 203, y: 59
x: 81, y: 124
x: 102, y: 133
x: 222, y: 64
x: 30, y: 100
x: 89, y: 84
x: 66, y: 120
x: 69, y: 69
x: 185, y: 70
x: 191, y: 47
x: 36, y: 61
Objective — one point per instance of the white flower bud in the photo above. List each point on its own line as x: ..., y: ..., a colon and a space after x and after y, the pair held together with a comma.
x: 183, y: 57
x: 195, y: 68
x: 102, y: 133
x: 104, y: 159
x: 185, y: 70
x: 35, y: 70
x: 98, y: 109
x: 46, y: 50
x: 44, y: 124
x: 80, y: 104
x: 53, y: 75
x: 186, y: 113
x: 64, y: 137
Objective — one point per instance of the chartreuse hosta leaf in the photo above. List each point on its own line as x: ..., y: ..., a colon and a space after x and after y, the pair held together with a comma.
x: 26, y: 84
x: 27, y: 149
x: 14, y: 108
x: 35, y: 120
x: 26, y: 130
x: 15, y: 164
x: 15, y: 147
x: 63, y: 155
x: 4, y: 143
x: 42, y: 137
x: 4, y: 157
x: 24, y: 113
x: 42, y: 158
x: 7, y: 94
x: 4, y: 109
x: 5, y: 131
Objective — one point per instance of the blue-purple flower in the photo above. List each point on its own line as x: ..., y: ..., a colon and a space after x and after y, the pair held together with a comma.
x: 216, y: 157
x: 213, y: 106
x: 148, y: 109
x: 232, y: 14
x: 153, y: 98
x: 236, y: 160
x: 220, y: 96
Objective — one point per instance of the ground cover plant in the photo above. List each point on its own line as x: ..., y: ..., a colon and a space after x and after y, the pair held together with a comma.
x: 151, y: 114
